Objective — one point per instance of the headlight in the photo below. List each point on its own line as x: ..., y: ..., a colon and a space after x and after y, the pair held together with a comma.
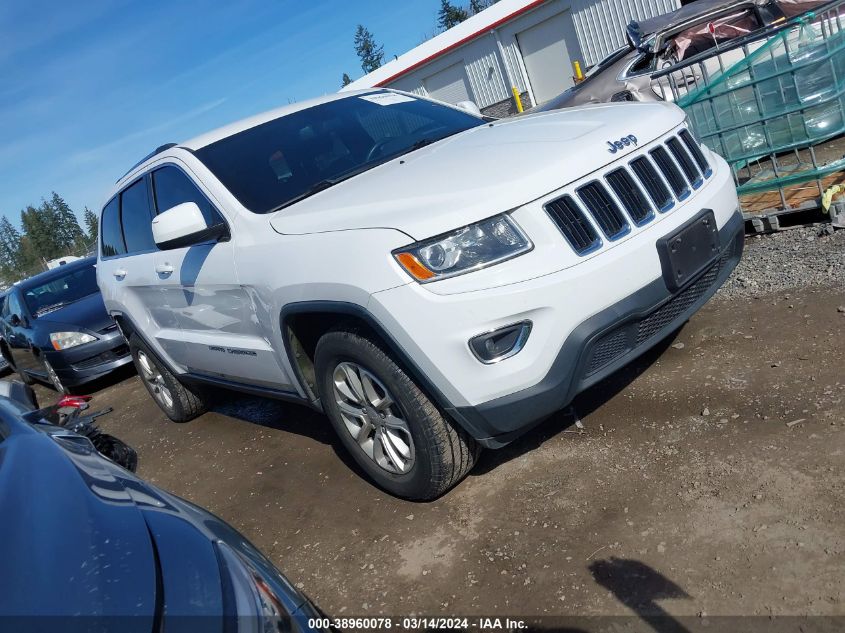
x: 258, y: 601
x: 64, y: 340
x: 469, y: 248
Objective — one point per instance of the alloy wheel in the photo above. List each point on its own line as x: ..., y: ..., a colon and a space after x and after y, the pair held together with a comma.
x: 373, y: 418
x: 155, y: 381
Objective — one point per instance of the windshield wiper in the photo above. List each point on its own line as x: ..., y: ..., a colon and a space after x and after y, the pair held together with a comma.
x: 423, y: 142
x: 51, y: 308
x: 317, y: 187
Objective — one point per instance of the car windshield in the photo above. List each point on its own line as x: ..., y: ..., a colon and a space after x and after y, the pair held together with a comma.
x: 273, y: 165
x: 61, y: 291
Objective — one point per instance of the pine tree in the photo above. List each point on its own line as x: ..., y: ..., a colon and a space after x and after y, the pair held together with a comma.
x: 31, y: 263
x: 70, y: 235
x: 450, y: 15
x: 370, y: 53
x: 39, y: 225
x: 92, y: 224
x: 10, y: 250
x: 346, y: 80
x: 477, y: 6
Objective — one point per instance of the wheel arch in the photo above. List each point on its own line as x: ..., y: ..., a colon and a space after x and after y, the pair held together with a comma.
x: 127, y: 327
x: 303, y: 323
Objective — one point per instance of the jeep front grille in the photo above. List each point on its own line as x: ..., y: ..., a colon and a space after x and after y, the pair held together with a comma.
x: 604, y: 210
x: 655, y: 187
x: 695, y: 149
x: 574, y: 225
x: 636, y: 192
x: 630, y: 195
x: 670, y: 172
x: 684, y: 160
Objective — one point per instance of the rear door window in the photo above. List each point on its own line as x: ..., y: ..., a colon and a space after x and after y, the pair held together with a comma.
x: 136, y: 218
x: 111, y: 236
x: 173, y: 187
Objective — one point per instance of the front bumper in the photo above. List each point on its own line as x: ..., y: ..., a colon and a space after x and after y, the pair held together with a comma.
x: 90, y: 361
x: 603, y: 344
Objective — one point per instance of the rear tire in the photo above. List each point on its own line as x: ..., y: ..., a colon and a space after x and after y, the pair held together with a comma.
x: 386, y: 422
x: 179, y: 402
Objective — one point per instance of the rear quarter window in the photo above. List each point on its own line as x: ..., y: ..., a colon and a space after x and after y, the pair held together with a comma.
x: 111, y: 236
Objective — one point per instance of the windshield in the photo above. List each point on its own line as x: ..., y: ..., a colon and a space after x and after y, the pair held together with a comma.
x: 59, y: 292
x: 272, y: 165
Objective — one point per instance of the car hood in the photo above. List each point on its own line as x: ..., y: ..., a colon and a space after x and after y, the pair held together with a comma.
x: 82, y: 536
x: 88, y: 313
x: 68, y: 552
x: 478, y: 173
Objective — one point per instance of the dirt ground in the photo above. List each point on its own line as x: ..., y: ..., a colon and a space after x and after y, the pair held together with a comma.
x: 708, y: 480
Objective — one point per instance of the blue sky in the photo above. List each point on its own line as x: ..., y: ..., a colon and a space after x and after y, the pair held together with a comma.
x: 88, y: 88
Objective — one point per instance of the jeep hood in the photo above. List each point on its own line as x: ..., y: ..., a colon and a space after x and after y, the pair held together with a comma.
x: 479, y: 173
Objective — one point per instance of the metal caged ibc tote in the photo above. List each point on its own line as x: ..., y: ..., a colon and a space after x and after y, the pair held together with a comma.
x: 773, y: 105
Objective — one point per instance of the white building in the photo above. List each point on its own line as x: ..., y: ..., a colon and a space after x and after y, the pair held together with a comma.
x: 526, y: 44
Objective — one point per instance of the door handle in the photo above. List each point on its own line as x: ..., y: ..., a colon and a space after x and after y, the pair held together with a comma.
x: 119, y: 274
x: 164, y: 269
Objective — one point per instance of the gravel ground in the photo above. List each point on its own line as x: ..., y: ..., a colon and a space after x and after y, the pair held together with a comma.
x: 706, y: 480
x: 795, y: 258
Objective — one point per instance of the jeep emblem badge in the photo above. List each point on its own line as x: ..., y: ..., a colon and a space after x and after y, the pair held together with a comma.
x: 625, y: 141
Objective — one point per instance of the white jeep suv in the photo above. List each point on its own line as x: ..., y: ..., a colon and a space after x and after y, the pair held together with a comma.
x: 433, y: 281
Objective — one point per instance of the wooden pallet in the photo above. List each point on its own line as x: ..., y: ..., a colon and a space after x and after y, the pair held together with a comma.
x: 797, y: 196
x: 764, y: 212
x: 756, y: 223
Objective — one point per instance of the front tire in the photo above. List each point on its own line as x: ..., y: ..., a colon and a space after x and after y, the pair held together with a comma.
x: 178, y: 402
x: 386, y: 422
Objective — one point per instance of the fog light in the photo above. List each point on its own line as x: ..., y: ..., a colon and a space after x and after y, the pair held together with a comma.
x: 491, y: 347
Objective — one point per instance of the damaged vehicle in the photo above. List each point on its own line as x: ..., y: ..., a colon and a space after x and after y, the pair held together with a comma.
x: 379, y: 257
x: 663, y: 41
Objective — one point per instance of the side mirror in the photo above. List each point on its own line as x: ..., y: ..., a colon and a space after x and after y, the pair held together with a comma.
x: 184, y: 225
x: 469, y: 106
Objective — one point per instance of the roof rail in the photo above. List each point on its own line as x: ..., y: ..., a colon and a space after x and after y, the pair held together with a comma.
x: 157, y: 150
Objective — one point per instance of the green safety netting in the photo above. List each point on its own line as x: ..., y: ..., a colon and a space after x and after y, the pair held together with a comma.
x: 787, y: 93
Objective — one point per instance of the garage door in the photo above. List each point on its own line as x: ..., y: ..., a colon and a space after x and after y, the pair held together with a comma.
x: 547, y: 57
x: 449, y: 85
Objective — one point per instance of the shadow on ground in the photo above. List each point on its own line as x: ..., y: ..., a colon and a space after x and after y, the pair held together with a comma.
x: 639, y: 587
